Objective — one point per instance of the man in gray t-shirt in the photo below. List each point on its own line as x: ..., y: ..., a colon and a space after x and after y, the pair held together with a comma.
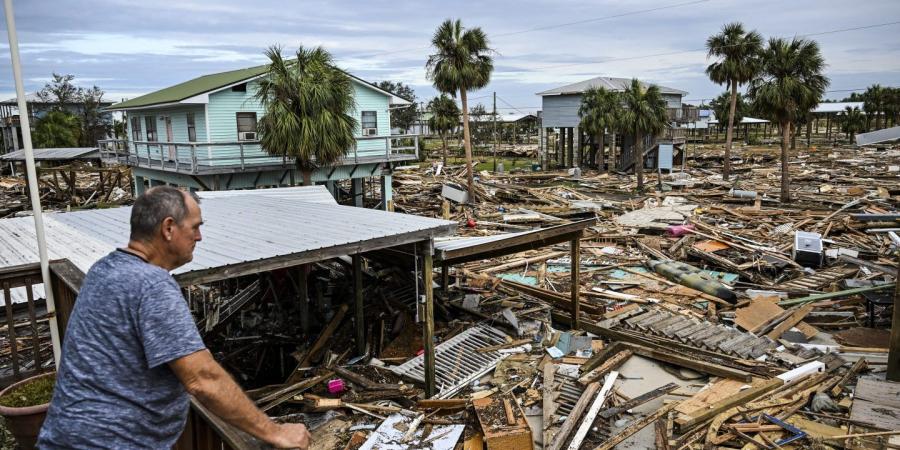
x: 132, y: 352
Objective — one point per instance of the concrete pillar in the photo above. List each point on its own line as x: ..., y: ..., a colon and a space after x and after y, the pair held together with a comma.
x: 139, y: 187
x: 356, y: 190
x: 387, y: 197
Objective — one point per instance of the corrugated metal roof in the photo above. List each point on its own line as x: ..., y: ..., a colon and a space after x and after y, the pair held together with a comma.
x: 879, y: 136
x: 836, y: 107
x: 457, y: 243
x: 744, y: 121
x: 311, y: 194
x: 237, y: 229
x: 45, y: 154
x: 613, y: 84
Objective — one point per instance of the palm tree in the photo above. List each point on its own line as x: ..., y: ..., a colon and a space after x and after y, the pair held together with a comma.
x: 791, y: 84
x: 852, y: 121
x: 737, y: 52
x: 599, y: 111
x: 462, y: 62
x: 306, y: 104
x: 644, y: 114
x: 57, y: 129
x: 444, y: 118
x: 874, y: 102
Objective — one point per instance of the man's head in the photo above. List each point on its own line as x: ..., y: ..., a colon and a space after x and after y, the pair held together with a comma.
x: 167, y: 220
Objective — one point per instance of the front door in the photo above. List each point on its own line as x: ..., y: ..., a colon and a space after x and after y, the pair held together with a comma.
x: 170, y: 138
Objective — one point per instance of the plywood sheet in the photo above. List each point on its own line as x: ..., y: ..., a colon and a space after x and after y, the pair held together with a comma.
x: 877, y: 402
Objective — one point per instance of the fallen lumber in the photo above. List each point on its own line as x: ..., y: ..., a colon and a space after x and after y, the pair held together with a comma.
x: 612, y: 363
x: 591, y: 414
x: 639, y: 400
x: 635, y: 426
x: 569, y: 425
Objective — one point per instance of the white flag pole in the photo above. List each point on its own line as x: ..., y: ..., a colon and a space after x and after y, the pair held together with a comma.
x: 32, y: 176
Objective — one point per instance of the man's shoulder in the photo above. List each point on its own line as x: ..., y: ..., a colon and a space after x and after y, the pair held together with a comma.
x: 127, y: 270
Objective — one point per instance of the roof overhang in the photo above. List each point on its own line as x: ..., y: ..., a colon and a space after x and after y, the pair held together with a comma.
x: 458, y: 251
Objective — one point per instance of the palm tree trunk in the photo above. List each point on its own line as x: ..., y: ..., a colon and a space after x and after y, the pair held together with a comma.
x: 601, y: 158
x: 729, y: 133
x: 639, y: 161
x: 612, y: 152
x: 785, y: 174
x: 468, y: 144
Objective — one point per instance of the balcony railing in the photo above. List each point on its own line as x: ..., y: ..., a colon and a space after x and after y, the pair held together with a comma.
x: 200, y: 157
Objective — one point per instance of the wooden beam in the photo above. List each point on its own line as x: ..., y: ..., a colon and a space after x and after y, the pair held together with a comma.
x: 635, y: 426
x: 610, y: 364
x: 893, y: 369
x: 359, y: 307
x: 426, y: 247
x: 796, y: 317
x: 591, y: 414
x: 323, y: 339
x: 569, y: 425
x: 639, y: 400
x: 295, y: 259
x: 685, y: 422
x: 575, y: 271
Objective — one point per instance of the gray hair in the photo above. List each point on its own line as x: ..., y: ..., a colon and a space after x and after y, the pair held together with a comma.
x: 153, y: 206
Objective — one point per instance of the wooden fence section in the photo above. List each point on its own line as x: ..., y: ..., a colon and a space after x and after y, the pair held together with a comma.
x: 26, y: 348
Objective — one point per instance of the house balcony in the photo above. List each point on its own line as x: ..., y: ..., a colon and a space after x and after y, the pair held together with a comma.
x: 200, y: 158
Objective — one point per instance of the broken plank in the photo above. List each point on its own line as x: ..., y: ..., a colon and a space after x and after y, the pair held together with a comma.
x: 635, y: 426
x: 790, y: 322
x: 639, y: 400
x: 569, y: 425
x: 612, y: 363
x: 591, y: 414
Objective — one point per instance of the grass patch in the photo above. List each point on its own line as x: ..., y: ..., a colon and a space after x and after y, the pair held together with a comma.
x: 36, y: 392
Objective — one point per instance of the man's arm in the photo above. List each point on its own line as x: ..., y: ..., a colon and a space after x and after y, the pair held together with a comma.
x: 206, y: 380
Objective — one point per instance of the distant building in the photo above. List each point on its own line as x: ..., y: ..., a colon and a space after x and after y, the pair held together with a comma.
x: 11, y: 131
x: 201, y: 134
x: 560, y: 114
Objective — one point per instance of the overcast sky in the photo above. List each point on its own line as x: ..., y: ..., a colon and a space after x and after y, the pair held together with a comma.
x: 130, y: 47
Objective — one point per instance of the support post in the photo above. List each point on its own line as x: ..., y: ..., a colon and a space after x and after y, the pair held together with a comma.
x: 445, y: 280
x: 356, y: 190
x: 561, y: 147
x: 426, y: 248
x: 139, y: 187
x: 358, y: 297
x: 570, y: 148
x: 387, y: 199
x: 893, y: 370
x: 575, y: 270
x: 303, y: 297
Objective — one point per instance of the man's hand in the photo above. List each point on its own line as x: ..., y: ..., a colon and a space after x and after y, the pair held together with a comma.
x: 290, y: 435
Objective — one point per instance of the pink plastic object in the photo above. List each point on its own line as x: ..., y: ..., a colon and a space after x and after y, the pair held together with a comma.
x: 336, y: 386
x: 679, y: 230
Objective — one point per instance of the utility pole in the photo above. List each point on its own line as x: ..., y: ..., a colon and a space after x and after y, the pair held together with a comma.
x: 495, y: 131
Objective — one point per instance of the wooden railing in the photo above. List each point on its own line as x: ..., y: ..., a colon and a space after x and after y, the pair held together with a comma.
x: 28, y: 351
x: 194, y: 157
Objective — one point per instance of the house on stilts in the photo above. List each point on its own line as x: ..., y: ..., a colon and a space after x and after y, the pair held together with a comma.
x: 201, y: 135
x: 564, y: 144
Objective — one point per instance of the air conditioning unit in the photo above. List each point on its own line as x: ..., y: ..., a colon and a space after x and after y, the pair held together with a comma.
x: 247, y: 136
x: 370, y: 132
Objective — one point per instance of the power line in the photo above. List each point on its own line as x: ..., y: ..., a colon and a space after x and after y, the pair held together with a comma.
x: 679, y: 52
x: 547, y: 27
x: 598, y: 19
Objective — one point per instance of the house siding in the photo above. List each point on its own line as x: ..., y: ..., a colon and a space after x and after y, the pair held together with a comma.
x: 225, y: 104
x: 178, y: 118
x: 562, y: 110
x: 223, y: 107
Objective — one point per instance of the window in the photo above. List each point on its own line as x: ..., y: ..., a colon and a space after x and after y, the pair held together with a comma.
x: 369, y: 122
x: 239, y: 88
x: 151, y: 128
x: 191, y: 128
x: 136, y: 128
x: 246, y: 126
